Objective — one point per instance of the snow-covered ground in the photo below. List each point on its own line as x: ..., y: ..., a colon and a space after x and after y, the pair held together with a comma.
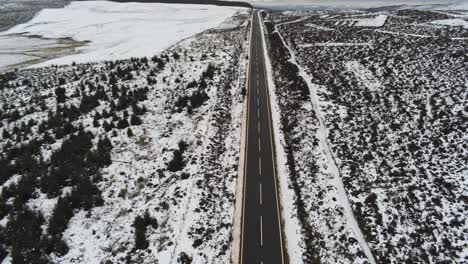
x: 191, y: 93
x: 374, y: 134
x: 121, y: 30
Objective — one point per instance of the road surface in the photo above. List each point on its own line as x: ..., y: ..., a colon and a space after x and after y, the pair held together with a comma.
x: 261, y: 240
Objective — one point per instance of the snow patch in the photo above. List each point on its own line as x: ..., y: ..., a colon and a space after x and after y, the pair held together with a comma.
x: 365, y: 76
x: 319, y: 27
x: 377, y: 21
x: 334, y: 44
x: 456, y: 22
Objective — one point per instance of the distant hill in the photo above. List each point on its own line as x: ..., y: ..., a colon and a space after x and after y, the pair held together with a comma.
x: 198, y: 2
x: 13, y: 12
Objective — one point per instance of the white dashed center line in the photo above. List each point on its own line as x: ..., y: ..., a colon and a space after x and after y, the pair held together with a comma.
x: 260, y: 184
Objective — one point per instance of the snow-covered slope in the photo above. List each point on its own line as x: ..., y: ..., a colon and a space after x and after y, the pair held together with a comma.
x: 128, y: 161
x: 122, y: 30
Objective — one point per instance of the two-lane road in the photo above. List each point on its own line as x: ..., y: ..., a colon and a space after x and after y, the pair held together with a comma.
x: 261, y: 240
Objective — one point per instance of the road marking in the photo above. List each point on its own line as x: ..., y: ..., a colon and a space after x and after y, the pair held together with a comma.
x: 260, y: 165
x: 261, y: 231
x: 260, y: 184
x: 272, y: 146
x: 258, y: 113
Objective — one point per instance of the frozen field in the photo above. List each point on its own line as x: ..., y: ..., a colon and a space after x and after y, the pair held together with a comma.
x: 115, y: 30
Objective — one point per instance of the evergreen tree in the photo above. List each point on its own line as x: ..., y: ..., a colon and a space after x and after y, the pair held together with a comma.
x: 49, y: 184
x: 68, y: 128
x: 182, y: 146
x: 129, y: 132
x: 140, y: 233
x: 72, y: 113
x: 60, y: 94
x: 105, y: 144
x: 60, y: 217
x: 105, y: 114
x: 5, y: 134
x: 102, y: 156
x: 123, y: 123
x: 107, y: 127
x: 177, y: 162
x: 135, y: 120
x: 150, y: 221
x: 5, y: 170
x: 184, y: 258
x: 198, y: 98
x: 23, y: 234
x: 59, y: 132
x: 25, y: 190
x: 89, y: 194
x: 3, y: 251
x: 4, y: 209
x: 62, y: 81
x: 96, y: 122
x: 88, y: 103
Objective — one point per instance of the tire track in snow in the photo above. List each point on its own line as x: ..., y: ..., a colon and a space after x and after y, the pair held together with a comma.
x: 322, y: 134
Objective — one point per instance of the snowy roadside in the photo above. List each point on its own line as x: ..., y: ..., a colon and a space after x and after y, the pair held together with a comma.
x: 294, y: 244
x: 239, y: 206
x: 380, y: 132
x: 333, y: 169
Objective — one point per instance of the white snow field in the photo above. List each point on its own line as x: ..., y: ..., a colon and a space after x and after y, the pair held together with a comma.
x: 121, y: 30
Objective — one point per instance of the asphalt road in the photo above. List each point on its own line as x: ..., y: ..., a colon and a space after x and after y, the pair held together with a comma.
x: 261, y: 240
